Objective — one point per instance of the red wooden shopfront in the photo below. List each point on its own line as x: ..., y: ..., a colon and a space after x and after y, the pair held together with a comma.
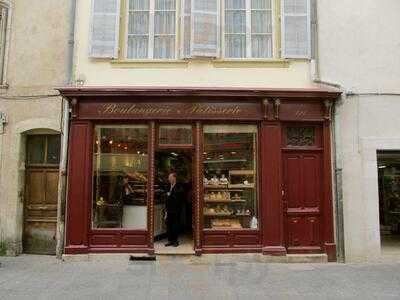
x: 294, y: 165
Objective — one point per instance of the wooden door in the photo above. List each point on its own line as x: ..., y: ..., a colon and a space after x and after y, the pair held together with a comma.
x: 41, y: 191
x: 303, y: 198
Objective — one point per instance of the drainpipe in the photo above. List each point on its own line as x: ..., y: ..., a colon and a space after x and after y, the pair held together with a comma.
x: 62, y: 185
x: 3, y: 121
x: 336, y: 147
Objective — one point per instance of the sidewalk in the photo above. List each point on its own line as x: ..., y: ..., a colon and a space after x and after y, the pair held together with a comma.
x: 44, y: 277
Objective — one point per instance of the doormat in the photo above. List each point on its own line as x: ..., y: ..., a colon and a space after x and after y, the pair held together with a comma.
x: 142, y: 258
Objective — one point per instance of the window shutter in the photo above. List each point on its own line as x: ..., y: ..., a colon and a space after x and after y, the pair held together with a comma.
x: 104, y: 33
x: 186, y: 28
x: 205, y: 28
x: 296, y: 37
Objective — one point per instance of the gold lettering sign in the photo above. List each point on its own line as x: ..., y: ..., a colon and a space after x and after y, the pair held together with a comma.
x: 151, y: 109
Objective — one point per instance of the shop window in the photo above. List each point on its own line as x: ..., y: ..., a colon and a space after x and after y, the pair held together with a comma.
x: 389, y: 198
x: 120, y: 165
x: 175, y: 135
x: 43, y: 149
x: 300, y: 136
x: 230, y: 177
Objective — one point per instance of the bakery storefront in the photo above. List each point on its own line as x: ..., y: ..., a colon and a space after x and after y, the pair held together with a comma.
x: 255, y: 166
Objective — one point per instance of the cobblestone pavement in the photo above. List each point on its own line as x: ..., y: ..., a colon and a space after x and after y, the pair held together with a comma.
x: 44, y: 277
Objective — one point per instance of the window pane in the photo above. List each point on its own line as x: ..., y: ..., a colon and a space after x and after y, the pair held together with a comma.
x: 235, y: 4
x: 138, y: 4
x: 120, y: 177
x: 230, y: 177
x: 261, y: 4
x: 164, y: 22
x: 137, y: 46
x: 235, y: 45
x: 175, y: 134
x: 53, y: 149
x: 295, y: 6
x: 235, y: 22
x: 36, y: 145
x: 138, y: 22
x: 164, y: 47
x: 261, y: 21
x: 165, y: 4
x: 261, y: 46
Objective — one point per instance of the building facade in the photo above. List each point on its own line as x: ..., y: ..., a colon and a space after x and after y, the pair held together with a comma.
x: 224, y: 86
x: 34, y: 59
x: 361, y: 55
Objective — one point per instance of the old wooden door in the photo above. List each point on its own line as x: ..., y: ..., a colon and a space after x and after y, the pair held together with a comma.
x: 302, y: 188
x: 41, y: 186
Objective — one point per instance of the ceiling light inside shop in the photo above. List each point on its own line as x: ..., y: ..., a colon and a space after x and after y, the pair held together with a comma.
x: 382, y: 167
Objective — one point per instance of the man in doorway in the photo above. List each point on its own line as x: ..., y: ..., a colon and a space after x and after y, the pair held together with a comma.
x: 173, y: 208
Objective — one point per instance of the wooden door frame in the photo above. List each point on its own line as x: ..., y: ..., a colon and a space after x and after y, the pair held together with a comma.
x: 194, y: 151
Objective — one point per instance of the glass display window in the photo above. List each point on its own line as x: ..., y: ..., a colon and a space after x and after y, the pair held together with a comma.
x: 175, y: 135
x: 120, y: 176
x: 230, y: 177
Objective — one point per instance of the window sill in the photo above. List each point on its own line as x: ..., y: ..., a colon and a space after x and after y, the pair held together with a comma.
x: 149, y: 63
x: 251, y: 63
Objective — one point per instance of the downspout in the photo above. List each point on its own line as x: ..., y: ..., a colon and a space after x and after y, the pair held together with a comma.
x: 62, y: 184
x: 335, y: 138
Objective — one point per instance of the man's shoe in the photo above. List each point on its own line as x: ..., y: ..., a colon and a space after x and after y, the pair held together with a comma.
x: 169, y: 244
x: 176, y: 244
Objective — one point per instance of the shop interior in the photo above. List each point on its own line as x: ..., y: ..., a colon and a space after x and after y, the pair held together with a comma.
x: 179, y: 162
x: 389, y: 200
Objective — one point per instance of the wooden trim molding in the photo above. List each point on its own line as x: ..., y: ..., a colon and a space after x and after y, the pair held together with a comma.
x: 198, y: 191
x: 150, y: 189
x: 314, y: 93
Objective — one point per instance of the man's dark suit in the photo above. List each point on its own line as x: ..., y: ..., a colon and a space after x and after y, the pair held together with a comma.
x: 173, y: 208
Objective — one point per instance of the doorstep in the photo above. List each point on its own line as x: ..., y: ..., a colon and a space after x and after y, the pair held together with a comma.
x: 203, y: 259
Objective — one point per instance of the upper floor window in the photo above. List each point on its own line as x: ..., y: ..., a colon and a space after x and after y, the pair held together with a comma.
x: 248, y: 28
x: 151, y: 29
x: 232, y: 29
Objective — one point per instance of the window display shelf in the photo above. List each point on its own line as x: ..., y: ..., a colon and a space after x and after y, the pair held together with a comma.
x: 225, y: 215
x: 230, y: 187
x: 225, y: 201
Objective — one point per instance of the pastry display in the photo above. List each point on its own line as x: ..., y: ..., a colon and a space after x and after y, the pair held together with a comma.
x: 101, y: 202
x: 225, y: 223
x: 230, y: 199
x: 214, y: 180
x: 223, y: 179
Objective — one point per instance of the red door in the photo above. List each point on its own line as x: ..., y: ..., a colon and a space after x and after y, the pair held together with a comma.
x: 303, y: 190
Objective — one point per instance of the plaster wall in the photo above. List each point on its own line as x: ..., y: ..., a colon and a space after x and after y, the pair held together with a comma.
x: 37, y: 61
x: 359, y: 46
x: 195, y: 73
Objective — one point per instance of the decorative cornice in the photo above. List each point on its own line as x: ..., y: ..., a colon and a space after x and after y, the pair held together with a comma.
x: 265, y: 103
x: 314, y: 93
x: 277, y: 103
x: 74, y: 108
x: 328, y: 109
